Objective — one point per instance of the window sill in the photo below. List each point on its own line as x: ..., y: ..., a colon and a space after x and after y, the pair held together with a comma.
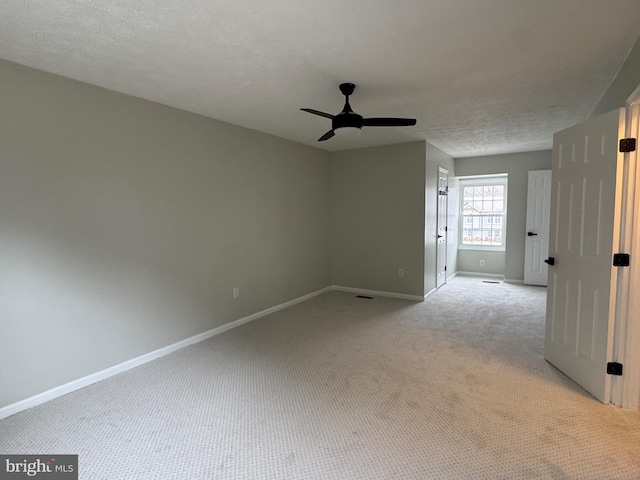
x: 481, y: 248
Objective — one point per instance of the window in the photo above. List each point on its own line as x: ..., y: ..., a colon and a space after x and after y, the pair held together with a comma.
x: 483, y: 212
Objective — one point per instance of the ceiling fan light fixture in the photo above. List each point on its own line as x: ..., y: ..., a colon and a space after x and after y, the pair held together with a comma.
x: 347, y: 131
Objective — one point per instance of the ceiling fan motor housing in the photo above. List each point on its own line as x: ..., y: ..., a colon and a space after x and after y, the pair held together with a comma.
x: 346, y: 119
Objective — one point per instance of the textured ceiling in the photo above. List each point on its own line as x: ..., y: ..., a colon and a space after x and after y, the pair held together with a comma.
x: 481, y: 76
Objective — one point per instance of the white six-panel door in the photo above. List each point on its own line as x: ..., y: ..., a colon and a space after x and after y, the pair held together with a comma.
x: 537, y: 239
x: 584, y: 227
x: 441, y: 244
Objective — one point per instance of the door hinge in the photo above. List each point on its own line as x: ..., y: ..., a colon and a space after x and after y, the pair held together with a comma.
x: 621, y: 260
x: 446, y: 229
x: 627, y: 145
x: 614, y: 368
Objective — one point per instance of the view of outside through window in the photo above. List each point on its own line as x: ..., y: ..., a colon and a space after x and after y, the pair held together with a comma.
x: 483, y: 214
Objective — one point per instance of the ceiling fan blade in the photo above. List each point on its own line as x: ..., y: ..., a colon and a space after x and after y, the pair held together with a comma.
x: 326, y: 136
x: 388, y: 122
x: 317, y: 112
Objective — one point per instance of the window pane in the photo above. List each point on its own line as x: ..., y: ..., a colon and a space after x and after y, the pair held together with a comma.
x: 468, y: 193
x: 482, y: 214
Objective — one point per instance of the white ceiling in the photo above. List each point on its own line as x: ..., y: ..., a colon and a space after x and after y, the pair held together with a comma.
x: 481, y: 76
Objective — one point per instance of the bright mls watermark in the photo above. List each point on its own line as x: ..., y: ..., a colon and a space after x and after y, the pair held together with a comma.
x: 50, y: 467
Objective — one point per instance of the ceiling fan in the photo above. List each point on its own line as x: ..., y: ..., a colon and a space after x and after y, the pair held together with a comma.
x: 348, y: 122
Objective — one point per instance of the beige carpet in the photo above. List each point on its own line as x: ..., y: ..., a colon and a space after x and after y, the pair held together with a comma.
x: 346, y: 388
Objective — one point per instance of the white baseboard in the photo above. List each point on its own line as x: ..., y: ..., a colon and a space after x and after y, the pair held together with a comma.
x: 69, y: 387
x: 377, y: 293
x: 514, y: 281
x: 481, y: 275
x: 430, y: 292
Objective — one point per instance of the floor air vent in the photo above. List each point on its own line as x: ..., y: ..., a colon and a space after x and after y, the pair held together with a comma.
x: 364, y: 296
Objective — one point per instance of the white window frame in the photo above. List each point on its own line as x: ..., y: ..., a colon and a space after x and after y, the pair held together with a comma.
x: 500, y: 179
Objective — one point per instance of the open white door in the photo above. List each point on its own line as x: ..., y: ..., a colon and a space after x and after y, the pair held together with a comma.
x: 585, y: 224
x: 537, y: 240
x: 625, y: 389
x: 441, y: 246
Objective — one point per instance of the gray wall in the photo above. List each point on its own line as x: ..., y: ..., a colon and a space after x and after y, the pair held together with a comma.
x: 452, y: 237
x: 125, y: 226
x: 437, y: 158
x: 377, y: 218
x: 469, y: 262
x: 517, y: 166
x: 625, y: 83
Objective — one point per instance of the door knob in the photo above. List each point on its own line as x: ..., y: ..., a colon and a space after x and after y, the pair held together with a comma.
x: 550, y: 261
x: 531, y: 234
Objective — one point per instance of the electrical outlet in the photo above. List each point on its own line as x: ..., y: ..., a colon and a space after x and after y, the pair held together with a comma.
x: 236, y: 292
x: 401, y: 272
x: 482, y: 263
